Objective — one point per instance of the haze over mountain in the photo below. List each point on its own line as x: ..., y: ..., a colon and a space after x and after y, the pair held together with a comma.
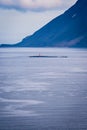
x: 66, y: 30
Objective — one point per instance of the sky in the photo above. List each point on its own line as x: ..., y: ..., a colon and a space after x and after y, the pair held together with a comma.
x: 21, y: 18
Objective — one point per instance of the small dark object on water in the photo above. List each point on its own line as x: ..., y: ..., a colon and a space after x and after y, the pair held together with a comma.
x: 63, y: 56
x: 39, y: 56
x: 43, y: 56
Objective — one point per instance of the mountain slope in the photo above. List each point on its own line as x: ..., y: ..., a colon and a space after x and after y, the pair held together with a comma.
x: 67, y: 30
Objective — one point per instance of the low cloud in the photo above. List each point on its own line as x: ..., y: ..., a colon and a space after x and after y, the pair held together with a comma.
x: 33, y: 5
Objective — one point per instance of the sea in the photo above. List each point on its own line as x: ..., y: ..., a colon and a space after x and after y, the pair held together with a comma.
x: 43, y: 93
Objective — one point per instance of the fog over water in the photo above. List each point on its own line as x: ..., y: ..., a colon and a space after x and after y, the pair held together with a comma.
x: 43, y: 93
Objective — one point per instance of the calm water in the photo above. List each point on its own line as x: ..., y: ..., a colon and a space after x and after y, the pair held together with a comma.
x: 43, y: 93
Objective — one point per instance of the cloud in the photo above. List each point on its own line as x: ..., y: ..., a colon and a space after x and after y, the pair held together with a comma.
x: 33, y: 5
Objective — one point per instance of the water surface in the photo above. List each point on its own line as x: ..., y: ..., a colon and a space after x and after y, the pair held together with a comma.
x: 43, y: 93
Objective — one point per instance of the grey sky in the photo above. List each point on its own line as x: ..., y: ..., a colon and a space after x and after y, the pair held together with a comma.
x: 19, y: 18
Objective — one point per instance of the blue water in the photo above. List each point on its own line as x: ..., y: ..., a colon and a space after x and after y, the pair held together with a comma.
x: 43, y: 93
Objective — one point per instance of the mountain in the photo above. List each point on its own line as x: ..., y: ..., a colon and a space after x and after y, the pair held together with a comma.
x: 66, y: 30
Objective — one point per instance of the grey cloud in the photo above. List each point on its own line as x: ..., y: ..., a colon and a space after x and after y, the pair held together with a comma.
x: 34, y: 5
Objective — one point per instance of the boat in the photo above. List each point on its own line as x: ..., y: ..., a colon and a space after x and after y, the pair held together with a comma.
x: 39, y: 56
x: 46, y: 56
